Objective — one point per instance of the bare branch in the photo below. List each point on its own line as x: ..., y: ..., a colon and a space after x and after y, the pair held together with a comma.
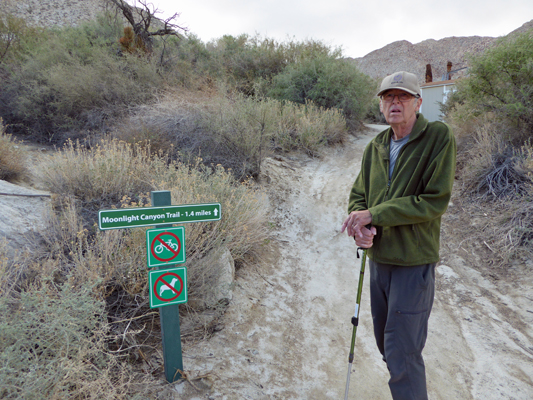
x: 141, y: 19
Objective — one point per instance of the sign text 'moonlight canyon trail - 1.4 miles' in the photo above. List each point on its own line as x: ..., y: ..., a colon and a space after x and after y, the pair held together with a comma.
x: 152, y: 216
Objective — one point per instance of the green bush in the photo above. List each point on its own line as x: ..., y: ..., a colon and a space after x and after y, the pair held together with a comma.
x: 492, y: 111
x: 328, y: 82
x: 247, y: 62
x: 50, y: 346
x: 74, y: 78
x: 72, y: 94
x: 500, y: 82
x: 12, y: 32
x: 53, y: 345
x: 374, y: 114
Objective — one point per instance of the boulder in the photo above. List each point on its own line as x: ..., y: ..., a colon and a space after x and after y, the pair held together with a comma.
x: 22, y: 213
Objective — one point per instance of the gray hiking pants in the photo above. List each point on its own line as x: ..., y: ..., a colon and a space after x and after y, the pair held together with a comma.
x: 401, y: 299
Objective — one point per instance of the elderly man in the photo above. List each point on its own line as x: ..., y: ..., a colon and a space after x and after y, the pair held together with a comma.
x: 402, y: 190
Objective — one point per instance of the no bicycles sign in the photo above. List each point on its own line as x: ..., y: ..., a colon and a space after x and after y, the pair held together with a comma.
x: 165, y: 246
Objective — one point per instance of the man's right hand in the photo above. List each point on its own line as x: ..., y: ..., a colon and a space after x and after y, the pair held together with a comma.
x: 366, y: 240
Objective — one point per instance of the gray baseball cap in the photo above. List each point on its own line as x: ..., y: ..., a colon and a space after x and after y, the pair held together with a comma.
x: 401, y: 80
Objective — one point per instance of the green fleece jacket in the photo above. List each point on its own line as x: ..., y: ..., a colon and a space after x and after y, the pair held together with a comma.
x: 407, y: 209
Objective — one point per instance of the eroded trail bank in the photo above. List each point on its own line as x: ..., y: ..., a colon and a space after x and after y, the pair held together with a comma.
x: 287, y: 332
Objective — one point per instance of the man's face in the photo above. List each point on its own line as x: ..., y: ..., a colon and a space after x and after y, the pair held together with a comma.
x: 399, y: 112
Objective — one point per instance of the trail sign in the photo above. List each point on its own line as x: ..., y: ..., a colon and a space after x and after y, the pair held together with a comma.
x: 165, y: 246
x: 167, y: 286
x: 153, y: 216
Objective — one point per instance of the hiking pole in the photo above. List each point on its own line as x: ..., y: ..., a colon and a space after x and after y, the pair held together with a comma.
x: 355, y: 319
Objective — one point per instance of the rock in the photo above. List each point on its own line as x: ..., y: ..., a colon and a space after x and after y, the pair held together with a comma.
x: 210, y: 307
x: 22, y: 213
x: 223, y: 263
x: 53, y: 12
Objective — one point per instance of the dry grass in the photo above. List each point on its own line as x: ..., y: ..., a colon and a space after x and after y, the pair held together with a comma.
x: 496, y: 180
x: 231, y: 129
x: 489, y: 166
x: 245, y: 130
x: 12, y: 158
x: 116, y: 169
x: 503, y: 228
x: 169, y: 124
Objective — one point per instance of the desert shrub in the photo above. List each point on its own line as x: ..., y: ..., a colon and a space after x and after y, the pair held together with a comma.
x: 170, y: 124
x: 52, y: 341
x: 327, y: 81
x: 12, y: 157
x: 244, y: 130
x: 74, y: 78
x: 245, y: 59
x: 308, y: 127
x: 113, y: 263
x: 11, y: 269
x: 188, y: 61
x: 101, y: 174
x: 490, y: 167
x: 492, y: 115
x: 500, y: 82
x: 241, y: 129
x: 137, y: 132
x: 53, y: 345
x: 74, y: 95
x: 374, y: 115
x: 14, y: 32
x: 246, y: 62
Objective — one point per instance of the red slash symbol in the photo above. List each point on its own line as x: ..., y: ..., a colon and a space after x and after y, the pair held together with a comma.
x: 168, y: 286
x: 168, y: 245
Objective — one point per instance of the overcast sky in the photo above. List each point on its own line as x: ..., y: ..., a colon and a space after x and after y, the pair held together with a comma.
x: 357, y: 26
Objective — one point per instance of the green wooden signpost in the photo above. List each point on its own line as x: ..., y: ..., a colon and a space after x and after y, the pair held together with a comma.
x: 169, y: 315
x: 165, y: 248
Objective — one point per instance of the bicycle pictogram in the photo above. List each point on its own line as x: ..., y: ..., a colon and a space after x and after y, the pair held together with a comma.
x: 168, y: 244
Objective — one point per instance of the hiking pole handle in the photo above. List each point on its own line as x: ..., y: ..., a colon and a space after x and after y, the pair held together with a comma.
x: 369, y: 227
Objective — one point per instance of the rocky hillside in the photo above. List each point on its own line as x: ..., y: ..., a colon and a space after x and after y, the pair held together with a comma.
x: 53, y: 12
x: 403, y: 55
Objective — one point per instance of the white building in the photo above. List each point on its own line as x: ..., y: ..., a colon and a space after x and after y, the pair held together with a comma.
x: 434, y: 94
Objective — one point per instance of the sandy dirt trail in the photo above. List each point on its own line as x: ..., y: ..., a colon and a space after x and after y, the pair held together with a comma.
x: 287, y: 331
